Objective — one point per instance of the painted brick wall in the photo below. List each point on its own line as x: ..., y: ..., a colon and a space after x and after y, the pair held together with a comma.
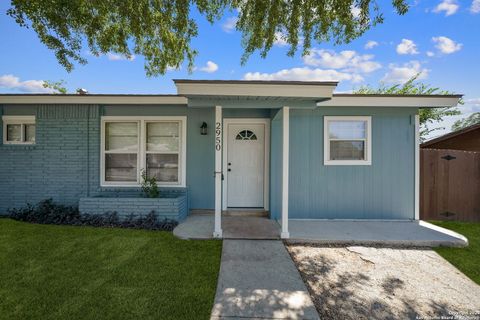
x: 171, y: 208
x: 57, y: 165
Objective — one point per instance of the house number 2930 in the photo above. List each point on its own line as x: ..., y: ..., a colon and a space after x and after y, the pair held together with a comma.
x: 218, y: 134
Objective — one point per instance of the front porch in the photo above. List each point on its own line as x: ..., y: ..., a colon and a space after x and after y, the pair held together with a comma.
x: 326, y: 232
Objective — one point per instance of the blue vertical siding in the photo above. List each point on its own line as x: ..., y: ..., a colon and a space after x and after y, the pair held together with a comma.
x: 383, y: 190
x: 276, y: 165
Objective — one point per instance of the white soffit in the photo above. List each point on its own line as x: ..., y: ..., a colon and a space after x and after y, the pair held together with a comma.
x: 353, y: 100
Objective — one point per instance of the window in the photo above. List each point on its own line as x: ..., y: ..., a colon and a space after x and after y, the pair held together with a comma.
x: 18, y: 129
x: 131, y: 144
x: 347, y: 140
x: 246, y: 135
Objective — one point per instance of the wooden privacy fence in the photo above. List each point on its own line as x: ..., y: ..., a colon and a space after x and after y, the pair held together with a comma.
x: 449, y: 185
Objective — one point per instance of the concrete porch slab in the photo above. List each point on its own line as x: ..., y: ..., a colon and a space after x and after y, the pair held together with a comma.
x: 385, y: 233
x: 342, y: 232
x: 234, y: 227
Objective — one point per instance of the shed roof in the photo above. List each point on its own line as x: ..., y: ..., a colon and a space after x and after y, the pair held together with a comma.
x: 450, y: 135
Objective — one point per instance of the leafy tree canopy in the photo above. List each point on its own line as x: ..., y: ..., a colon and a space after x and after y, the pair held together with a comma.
x: 472, y: 119
x: 413, y: 86
x: 162, y: 30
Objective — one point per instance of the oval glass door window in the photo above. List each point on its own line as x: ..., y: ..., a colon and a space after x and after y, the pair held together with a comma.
x: 246, y: 135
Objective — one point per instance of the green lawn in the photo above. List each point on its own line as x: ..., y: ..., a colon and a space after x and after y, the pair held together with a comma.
x: 66, y: 272
x: 466, y: 259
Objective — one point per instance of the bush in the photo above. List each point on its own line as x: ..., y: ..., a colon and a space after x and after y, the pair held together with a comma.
x: 47, y: 212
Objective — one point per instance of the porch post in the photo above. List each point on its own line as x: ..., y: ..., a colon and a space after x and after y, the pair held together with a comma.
x: 285, y: 178
x: 417, y: 167
x: 217, y: 233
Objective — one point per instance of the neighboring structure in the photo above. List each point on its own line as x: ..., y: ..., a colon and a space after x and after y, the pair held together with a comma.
x: 450, y: 176
x: 466, y: 139
x: 294, y: 149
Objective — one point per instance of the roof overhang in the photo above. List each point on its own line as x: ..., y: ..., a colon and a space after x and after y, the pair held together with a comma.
x: 240, y: 88
x: 385, y: 100
x: 92, y: 99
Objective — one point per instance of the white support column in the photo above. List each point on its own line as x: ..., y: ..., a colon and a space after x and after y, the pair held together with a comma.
x: 217, y: 233
x: 285, y: 178
x: 417, y: 167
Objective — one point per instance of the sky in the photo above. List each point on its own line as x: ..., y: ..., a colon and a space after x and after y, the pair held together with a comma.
x: 438, y: 38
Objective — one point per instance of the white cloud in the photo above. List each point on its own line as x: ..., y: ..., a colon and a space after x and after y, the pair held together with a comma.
x: 371, y: 44
x: 430, y: 54
x: 407, y: 46
x: 9, y: 81
x: 355, y: 11
x: 229, y: 25
x: 118, y: 57
x: 448, y: 6
x: 400, y: 74
x: 348, y: 60
x: 304, y: 74
x: 446, y: 45
x: 210, y: 67
x: 475, y: 7
x: 475, y: 102
x: 280, y: 39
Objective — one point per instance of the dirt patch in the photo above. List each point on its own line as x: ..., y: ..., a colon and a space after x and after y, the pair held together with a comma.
x: 384, y: 283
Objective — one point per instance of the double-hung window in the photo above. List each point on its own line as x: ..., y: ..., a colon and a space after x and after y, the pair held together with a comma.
x: 18, y: 129
x: 347, y: 140
x: 133, y: 144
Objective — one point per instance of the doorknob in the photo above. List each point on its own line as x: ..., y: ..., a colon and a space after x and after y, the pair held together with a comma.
x: 229, y: 163
x: 229, y: 169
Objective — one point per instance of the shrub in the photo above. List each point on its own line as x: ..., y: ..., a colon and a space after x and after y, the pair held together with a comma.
x: 47, y: 212
x: 149, y: 186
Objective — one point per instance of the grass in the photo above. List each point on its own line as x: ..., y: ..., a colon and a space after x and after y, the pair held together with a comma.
x: 66, y: 272
x: 466, y: 259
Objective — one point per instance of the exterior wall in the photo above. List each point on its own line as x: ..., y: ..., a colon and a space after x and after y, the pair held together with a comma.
x: 382, y: 190
x: 64, y: 164
x: 58, y: 165
x: 276, y: 173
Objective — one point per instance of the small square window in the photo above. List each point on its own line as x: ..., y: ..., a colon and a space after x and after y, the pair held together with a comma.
x: 347, y: 140
x: 18, y: 129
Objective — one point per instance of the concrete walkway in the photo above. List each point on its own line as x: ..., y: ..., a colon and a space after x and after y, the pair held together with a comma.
x: 258, y: 280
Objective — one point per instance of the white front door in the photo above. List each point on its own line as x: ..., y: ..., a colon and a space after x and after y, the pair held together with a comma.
x: 245, y: 165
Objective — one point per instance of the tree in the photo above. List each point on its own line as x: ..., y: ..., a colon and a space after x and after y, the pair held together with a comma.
x: 472, y: 119
x: 413, y: 86
x: 162, y: 30
x: 56, y: 86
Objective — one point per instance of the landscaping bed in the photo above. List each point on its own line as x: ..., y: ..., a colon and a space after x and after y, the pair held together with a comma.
x: 65, y: 272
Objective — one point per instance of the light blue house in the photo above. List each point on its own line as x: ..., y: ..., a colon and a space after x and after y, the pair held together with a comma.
x: 293, y: 149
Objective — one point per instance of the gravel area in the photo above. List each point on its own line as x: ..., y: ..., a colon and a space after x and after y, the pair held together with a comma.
x: 385, y: 283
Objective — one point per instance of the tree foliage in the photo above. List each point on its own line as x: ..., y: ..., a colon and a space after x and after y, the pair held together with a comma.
x: 162, y: 30
x: 413, y: 86
x: 472, y: 119
x: 56, y: 86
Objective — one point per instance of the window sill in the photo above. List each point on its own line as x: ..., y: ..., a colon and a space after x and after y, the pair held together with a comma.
x: 347, y: 163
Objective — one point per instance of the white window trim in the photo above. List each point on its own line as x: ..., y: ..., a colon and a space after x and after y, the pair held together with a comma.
x: 141, y: 158
x: 326, y: 142
x: 22, y: 120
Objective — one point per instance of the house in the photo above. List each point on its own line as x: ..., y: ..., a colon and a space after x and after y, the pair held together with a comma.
x: 294, y: 149
x: 466, y: 139
x: 450, y: 176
